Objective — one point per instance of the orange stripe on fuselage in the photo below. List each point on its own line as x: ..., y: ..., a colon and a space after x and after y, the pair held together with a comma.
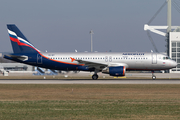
x: 61, y: 61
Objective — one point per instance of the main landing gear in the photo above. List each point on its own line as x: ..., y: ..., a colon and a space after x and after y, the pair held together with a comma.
x: 95, y: 77
x: 153, y: 76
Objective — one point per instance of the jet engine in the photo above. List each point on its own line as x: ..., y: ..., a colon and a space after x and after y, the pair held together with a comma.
x: 115, y: 70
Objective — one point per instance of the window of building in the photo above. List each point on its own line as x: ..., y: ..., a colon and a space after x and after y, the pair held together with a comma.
x: 173, y: 49
x: 173, y: 44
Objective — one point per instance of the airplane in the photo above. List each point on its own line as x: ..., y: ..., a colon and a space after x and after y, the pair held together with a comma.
x: 112, y: 63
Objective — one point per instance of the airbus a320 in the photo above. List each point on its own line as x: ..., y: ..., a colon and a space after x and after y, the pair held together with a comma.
x: 114, y: 64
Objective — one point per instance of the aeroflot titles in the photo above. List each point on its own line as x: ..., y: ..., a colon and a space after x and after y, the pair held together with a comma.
x: 133, y: 53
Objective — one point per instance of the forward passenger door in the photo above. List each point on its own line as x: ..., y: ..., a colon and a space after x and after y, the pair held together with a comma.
x: 154, y: 58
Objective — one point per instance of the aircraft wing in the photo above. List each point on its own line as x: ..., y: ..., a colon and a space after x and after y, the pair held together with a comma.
x: 99, y: 65
x: 90, y: 64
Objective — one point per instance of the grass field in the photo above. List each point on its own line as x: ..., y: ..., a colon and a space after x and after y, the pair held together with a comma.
x: 89, y: 102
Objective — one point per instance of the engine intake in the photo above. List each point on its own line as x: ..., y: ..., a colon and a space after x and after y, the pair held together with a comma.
x: 115, y: 71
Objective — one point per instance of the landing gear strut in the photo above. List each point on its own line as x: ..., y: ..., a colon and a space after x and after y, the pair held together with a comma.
x: 153, y: 76
x: 95, y: 77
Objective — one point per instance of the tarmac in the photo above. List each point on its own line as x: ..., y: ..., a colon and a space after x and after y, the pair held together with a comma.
x: 76, y: 81
x: 88, y: 74
x: 85, y: 78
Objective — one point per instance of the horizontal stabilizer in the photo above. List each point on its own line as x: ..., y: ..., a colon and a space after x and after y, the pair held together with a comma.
x: 22, y: 58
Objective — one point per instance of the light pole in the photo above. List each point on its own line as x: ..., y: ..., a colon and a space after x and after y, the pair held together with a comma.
x: 91, y: 32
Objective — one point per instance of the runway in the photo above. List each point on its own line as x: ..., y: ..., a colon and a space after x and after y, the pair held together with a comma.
x: 89, y: 81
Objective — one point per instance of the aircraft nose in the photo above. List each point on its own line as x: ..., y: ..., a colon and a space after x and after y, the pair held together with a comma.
x: 174, y: 64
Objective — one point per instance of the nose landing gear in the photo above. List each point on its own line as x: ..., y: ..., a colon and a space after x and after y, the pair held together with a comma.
x: 153, y: 76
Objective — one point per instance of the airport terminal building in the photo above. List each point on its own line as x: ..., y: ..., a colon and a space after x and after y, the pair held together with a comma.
x: 174, y: 49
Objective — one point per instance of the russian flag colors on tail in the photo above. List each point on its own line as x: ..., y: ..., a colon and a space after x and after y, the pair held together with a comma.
x: 19, y: 42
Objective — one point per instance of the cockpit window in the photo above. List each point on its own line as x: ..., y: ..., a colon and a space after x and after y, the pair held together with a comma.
x: 166, y: 58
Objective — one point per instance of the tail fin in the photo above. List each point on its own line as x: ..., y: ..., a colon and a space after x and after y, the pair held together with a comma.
x: 20, y: 43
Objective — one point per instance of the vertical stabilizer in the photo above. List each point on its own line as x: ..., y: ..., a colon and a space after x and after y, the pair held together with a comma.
x: 20, y: 43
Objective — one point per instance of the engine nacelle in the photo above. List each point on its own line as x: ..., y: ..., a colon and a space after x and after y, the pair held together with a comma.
x: 115, y: 71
